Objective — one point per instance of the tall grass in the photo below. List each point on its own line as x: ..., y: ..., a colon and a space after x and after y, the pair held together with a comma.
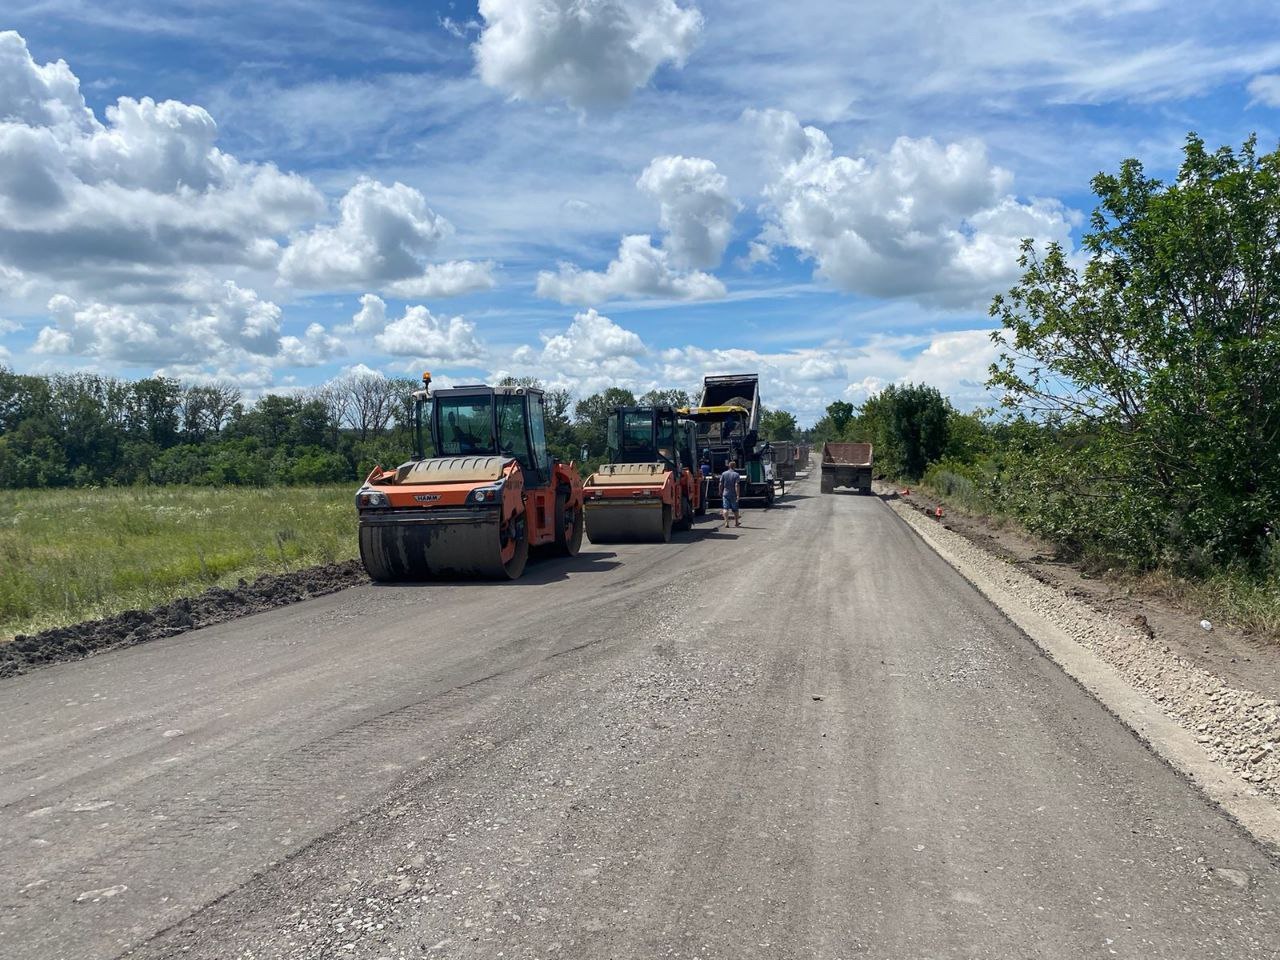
x: 71, y: 555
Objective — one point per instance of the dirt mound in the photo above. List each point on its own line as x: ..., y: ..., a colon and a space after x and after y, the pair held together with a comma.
x: 216, y: 605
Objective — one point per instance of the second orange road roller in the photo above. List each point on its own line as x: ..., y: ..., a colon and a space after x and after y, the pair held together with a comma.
x: 651, y: 485
x: 491, y: 493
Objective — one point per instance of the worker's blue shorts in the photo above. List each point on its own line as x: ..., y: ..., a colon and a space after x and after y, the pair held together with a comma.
x: 729, y: 503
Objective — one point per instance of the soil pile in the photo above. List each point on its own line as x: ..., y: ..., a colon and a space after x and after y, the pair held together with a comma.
x: 216, y: 605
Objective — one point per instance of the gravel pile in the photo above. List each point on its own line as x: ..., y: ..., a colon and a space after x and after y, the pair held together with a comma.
x: 1238, y: 727
x: 216, y: 605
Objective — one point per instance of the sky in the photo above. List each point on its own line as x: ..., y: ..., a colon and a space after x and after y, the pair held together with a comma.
x: 597, y: 193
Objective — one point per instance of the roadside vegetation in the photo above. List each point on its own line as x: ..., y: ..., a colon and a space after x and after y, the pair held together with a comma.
x: 89, y: 430
x: 1140, y: 386
x: 72, y: 555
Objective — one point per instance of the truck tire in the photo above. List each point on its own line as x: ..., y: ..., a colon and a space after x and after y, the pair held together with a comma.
x: 828, y: 484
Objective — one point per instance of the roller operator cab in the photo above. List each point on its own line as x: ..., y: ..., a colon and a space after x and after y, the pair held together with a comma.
x: 650, y: 485
x: 489, y: 493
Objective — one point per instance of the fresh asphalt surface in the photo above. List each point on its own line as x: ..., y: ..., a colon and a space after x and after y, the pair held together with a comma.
x: 806, y: 738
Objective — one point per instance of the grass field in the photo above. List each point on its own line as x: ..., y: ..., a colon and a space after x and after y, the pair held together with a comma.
x: 72, y: 555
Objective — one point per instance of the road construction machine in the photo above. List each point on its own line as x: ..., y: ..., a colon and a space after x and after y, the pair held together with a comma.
x: 650, y: 485
x: 728, y: 420
x: 846, y: 465
x: 489, y: 494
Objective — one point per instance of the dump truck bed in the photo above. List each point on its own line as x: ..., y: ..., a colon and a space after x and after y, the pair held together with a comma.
x: 740, y: 389
x: 850, y: 454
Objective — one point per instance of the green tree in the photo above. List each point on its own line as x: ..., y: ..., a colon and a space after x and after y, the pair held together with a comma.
x: 665, y: 398
x: 591, y: 418
x: 778, y: 424
x: 908, y: 426
x: 840, y: 413
x: 1161, y: 360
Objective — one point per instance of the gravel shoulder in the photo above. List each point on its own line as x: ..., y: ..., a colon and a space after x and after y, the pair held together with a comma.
x: 1241, y: 659
x: 1234, y: 721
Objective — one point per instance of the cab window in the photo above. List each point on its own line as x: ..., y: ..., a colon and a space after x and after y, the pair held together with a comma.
x: 666, y: 437
x: 466, y: 426
x: 538, y: 432
x: 637, y: 436
x: 513, y: 440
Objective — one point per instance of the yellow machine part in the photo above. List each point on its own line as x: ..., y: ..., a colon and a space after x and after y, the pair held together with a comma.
x: 711, y: 413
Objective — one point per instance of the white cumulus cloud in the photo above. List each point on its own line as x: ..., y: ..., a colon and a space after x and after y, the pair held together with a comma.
x: 450, y: 279
x: 639, y: 270
x: 372, y: 315
x: 122, y: 210
x: 695, y: 209
x: 422, y: 335
x: 592, y: 338
x: 591, y: 353
x: 219, y: 323
x: 316, y: 346
x: 382, y: 235
x: 928, y: 221
x: 587, y: 52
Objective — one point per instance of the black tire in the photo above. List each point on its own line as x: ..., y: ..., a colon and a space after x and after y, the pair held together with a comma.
x: 828, y: 485
x: 569, y: 524
x: 667, y: 514
x: 686, y: 513
x: 705, y: 493
x: 514, y: 568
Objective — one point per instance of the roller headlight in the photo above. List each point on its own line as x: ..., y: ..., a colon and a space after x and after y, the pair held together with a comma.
x: 486, y: 494
x: 372, y: 498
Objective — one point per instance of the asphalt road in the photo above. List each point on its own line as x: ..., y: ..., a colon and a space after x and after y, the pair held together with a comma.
x: 806, y: 738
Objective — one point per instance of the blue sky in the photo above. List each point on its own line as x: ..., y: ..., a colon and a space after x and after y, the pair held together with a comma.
x: 632, y: 192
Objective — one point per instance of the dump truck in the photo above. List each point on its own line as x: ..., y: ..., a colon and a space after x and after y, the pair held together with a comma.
x: 490, y: 493
x: 728, y: 419
x: 846, y: 465
x: 650, y: 485
x: 784, y: 459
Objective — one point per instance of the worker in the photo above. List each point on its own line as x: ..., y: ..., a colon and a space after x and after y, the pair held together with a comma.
x: 730, y: 482
x: 706, y: 464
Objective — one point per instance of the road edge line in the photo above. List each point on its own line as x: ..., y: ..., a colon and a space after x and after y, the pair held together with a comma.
x: 1162, y: 735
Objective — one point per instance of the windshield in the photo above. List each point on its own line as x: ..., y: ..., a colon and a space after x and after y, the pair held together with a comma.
x: 465, y: 426
x: 631, y: 436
